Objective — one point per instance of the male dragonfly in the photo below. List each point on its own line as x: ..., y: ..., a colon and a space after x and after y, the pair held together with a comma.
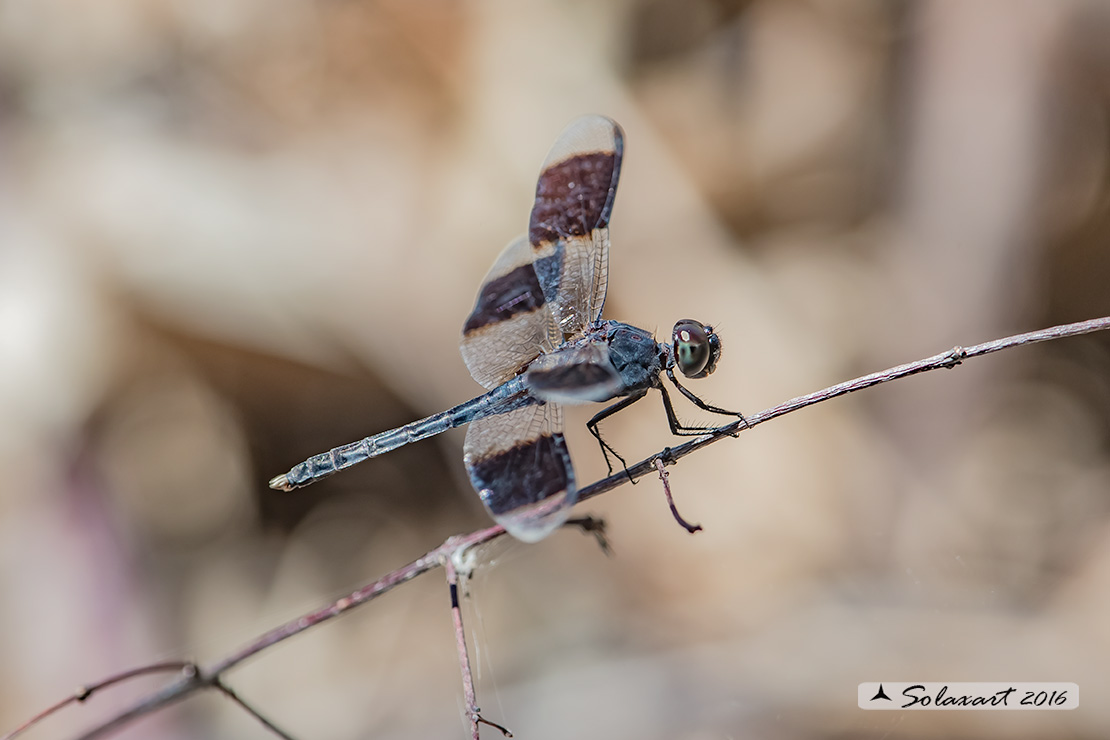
x: 536, y: 341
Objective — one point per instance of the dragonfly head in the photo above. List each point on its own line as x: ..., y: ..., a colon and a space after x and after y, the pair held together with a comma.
x: 696, y: 348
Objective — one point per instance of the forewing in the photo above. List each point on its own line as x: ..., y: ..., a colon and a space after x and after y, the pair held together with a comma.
x: 511, y: 322
x: 576, y: 374
x: 519, y: 464
x: 569, y: 226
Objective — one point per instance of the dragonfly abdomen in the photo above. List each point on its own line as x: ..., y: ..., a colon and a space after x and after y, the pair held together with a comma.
x: 505, y: 397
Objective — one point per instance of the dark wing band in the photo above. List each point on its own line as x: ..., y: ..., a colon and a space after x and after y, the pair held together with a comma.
x: 569, y: 225
x: 519, y: 464
x: 511, y: 322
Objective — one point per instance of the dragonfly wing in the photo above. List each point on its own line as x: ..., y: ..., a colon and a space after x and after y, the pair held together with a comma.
x: 576, y: 374
x: 519, y: 464
x: 569, y: 225
x: 511, y: 322
x: 541, y: 292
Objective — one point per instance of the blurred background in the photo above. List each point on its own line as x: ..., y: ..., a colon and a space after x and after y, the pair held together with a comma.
x: 235, y: 234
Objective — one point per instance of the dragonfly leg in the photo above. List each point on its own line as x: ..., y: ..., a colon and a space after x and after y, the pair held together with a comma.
x: 700, y: 404
x: 591, y: 525
x: 677, y: 427
x: 605, y: 413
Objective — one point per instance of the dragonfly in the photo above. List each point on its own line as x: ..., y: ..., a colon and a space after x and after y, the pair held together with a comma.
x: 536, y: 341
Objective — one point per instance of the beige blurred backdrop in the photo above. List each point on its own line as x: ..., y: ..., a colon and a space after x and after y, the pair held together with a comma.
x: 234, y: 233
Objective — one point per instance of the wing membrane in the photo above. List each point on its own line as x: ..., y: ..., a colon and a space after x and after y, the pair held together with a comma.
x: 569, y: 225
x: 511, y: 322
x: 519, y: 464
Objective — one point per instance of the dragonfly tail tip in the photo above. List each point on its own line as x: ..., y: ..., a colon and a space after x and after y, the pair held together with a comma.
x: 281, y: 483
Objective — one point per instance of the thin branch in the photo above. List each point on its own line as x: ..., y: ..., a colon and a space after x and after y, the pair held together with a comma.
x: 164, y: 697
x: 226, y: 691
x: 84, y: 692
x: 666, y: 478
x: 211, y: 677
x: 473, y: 713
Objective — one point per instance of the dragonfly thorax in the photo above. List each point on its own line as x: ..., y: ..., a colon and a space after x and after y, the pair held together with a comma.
x: 635, y: 355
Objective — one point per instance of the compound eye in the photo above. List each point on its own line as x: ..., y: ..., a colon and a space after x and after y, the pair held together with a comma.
x: 691, y: 347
